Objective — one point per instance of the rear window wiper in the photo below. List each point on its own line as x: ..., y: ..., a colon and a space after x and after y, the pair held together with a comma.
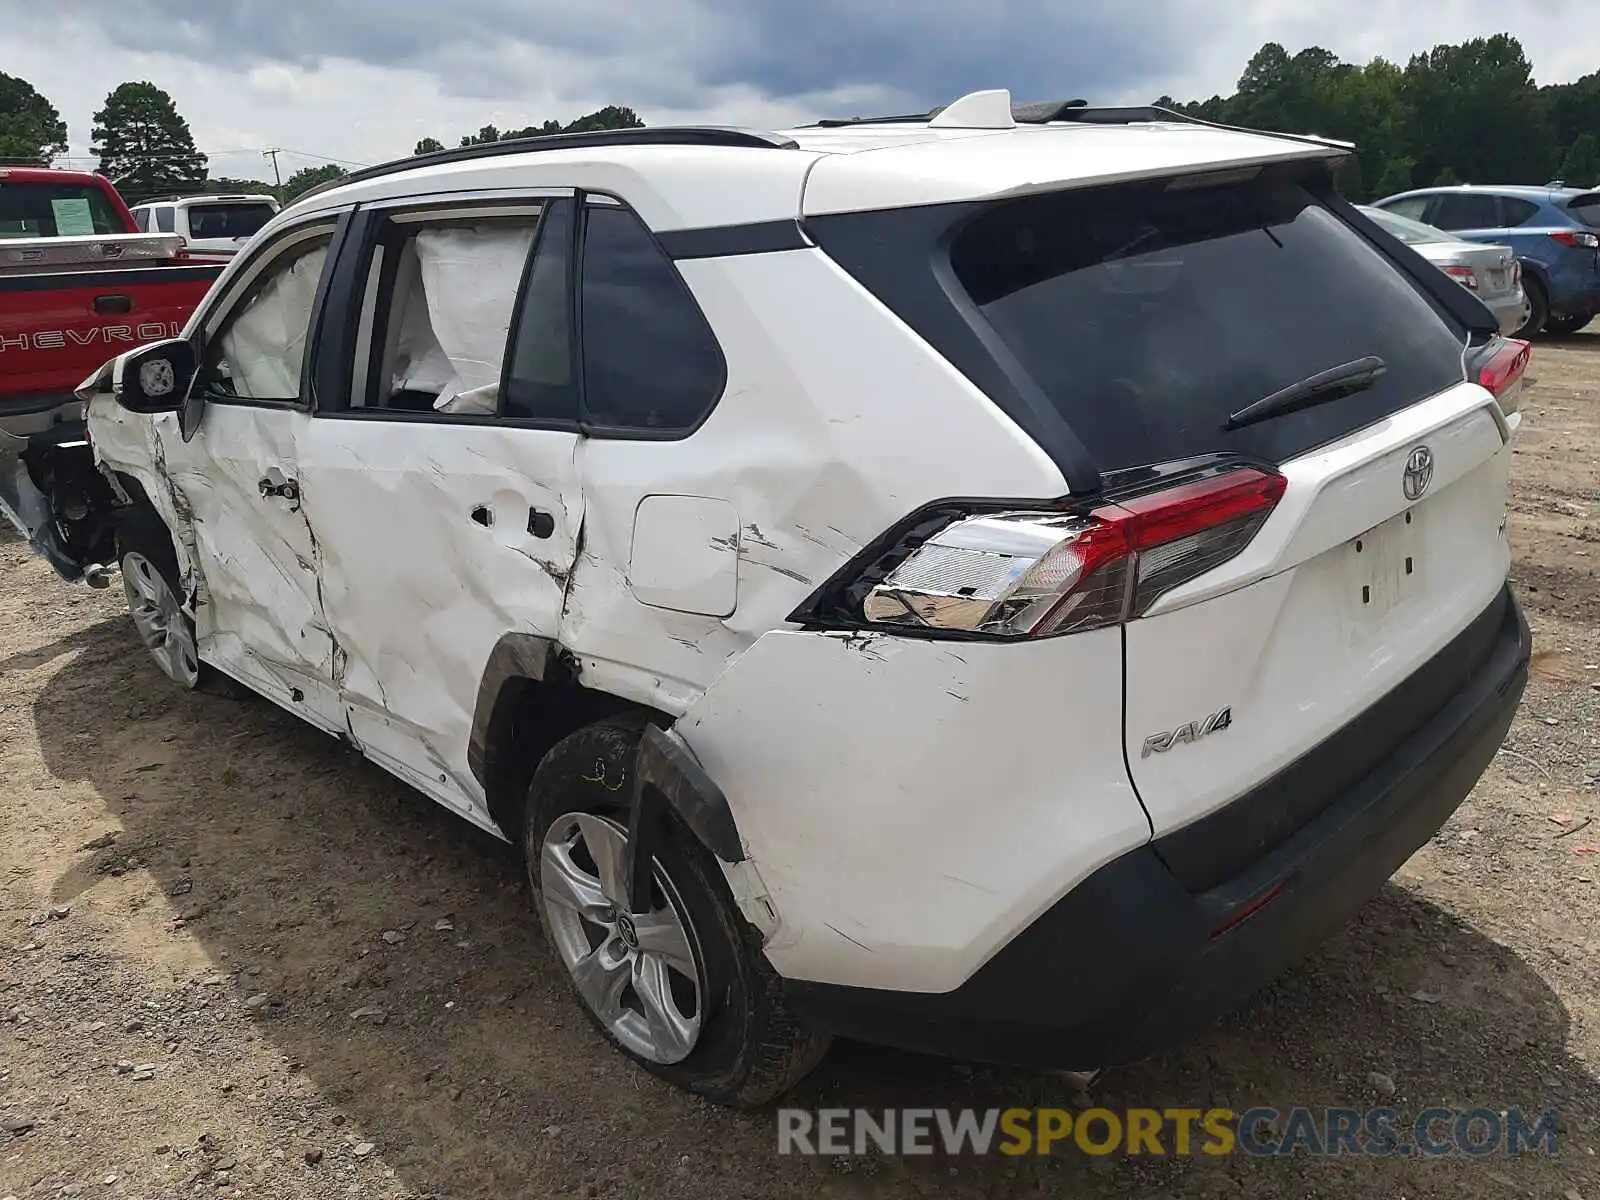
x: 1344, y: 380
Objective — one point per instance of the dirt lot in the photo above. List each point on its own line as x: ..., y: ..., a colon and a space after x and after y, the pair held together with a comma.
x: 273, y: 971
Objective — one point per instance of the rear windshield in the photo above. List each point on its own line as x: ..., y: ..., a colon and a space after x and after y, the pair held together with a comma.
x: 233, y: 220
x: 1147, y: 315
x: 1587, y: 209
x: 1412, y: 233
x: 30, y: 210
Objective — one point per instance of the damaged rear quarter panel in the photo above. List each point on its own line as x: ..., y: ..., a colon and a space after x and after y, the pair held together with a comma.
x: 812, y: 443
x: 911, y: 805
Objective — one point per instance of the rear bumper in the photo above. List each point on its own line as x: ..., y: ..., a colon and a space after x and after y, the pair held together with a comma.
x: 1131, y: 961
x: 1507, y: 309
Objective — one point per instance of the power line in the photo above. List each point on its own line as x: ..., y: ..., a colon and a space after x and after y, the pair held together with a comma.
x: 209, y: 154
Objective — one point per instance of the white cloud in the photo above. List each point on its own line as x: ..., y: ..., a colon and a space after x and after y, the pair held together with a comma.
x: 440, y: 71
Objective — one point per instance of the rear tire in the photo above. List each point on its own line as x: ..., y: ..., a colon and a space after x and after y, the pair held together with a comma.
x: 1537, y: 311
x: 684, y: 990
x: 1570, y: 323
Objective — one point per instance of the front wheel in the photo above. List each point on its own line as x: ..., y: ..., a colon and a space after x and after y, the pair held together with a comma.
x: 681, y: 988
x: 155, y: 602
x: 150, y: 582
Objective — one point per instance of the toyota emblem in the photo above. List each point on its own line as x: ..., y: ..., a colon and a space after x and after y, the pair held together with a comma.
x: 1419, y: 472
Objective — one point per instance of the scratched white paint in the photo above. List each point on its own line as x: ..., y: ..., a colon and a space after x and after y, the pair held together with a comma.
x: 970, y: 793
x: 427, y: 561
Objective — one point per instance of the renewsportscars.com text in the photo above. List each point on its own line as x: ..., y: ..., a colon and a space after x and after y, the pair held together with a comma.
x: 1259, y: 1132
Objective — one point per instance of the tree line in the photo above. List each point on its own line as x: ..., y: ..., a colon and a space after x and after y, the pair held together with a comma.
x: 1469, y: 112
x: 146, y: 148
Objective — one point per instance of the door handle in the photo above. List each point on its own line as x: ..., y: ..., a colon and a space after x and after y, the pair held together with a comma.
x: 284, y: 489
x: 113, y: 306
x: 540, y: 523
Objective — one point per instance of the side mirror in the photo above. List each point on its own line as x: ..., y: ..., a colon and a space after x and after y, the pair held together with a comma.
x: 155, y: 378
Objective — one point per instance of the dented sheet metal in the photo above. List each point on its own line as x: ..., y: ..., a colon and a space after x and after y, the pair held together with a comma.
x: 430, y: 553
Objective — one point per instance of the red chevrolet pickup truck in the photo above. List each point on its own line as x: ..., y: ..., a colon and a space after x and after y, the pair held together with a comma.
x: 78, y: 284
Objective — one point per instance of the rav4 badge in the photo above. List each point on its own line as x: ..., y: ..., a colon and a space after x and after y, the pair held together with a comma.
x: 1160, y: 743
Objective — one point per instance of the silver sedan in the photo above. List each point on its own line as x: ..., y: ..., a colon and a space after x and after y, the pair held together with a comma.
x: 1491, y: 273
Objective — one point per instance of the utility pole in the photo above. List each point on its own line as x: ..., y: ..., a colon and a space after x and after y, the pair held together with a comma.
x: 273, y: 155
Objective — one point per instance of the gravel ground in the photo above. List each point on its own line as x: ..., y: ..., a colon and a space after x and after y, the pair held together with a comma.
x: 237, y: 960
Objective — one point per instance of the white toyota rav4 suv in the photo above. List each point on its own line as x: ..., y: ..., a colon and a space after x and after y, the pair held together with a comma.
x: 1000, y: 583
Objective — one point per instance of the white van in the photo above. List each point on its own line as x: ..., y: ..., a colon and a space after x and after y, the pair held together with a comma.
x: 212, y: 226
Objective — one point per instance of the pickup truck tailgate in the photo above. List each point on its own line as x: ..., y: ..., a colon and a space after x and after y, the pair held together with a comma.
x: 68, y: 304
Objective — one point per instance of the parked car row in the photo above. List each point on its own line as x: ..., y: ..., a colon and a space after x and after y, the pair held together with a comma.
x: 1551, y: 230
x: 1491, y: 273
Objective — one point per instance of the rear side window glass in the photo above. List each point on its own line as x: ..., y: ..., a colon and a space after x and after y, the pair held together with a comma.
x: 1412, y: 206
x: 542, y: 384
x: 164, y: 219
x: 444, y: 295
x: 141, y: 218
x: 1466, y: 210
x: 228, y: 221
x: 650, y: 361
x: 1516, y: 212
x: 1146, y: 317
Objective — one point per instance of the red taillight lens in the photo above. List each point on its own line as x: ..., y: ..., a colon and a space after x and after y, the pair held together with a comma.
x: 1574, y: 237
x: 1027, y: 574
x: 1181, y: 533
x: 1506, y: 365
x: 1500, y: 367
x: 1465, y: 276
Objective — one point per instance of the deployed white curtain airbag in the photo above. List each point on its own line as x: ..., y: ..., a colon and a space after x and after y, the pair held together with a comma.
x: 266, y: 344
x: 453, y: 335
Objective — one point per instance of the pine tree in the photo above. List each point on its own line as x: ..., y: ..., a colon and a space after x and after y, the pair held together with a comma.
x: 144, y: 146
x: 31, y: 130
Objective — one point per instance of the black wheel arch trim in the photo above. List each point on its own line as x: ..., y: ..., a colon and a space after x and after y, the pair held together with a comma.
x: 666, y: 770
x: 667, y: 765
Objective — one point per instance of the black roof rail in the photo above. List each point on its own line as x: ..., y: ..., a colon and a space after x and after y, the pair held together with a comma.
x: 662, y: 135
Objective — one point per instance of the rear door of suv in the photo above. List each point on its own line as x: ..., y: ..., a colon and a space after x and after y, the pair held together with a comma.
x: 1148, y: 317
x: 1153, y: 319
x: 440, y: 467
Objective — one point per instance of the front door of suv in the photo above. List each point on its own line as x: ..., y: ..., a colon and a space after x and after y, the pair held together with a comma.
x: 441, y: 483
x: 259, y: 617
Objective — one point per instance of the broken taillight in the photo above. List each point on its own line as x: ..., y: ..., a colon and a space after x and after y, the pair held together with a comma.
x: 1499, y: 368
x: 1020, y: 574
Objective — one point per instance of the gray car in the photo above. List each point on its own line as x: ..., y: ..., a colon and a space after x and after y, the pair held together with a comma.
x: 1491, y: 273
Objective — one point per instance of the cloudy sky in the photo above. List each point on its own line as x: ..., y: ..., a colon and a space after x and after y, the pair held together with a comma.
x: 362, y: 80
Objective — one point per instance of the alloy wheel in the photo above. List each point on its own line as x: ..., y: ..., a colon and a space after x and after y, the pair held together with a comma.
x: 158, y: 615
x: 638, y: 973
